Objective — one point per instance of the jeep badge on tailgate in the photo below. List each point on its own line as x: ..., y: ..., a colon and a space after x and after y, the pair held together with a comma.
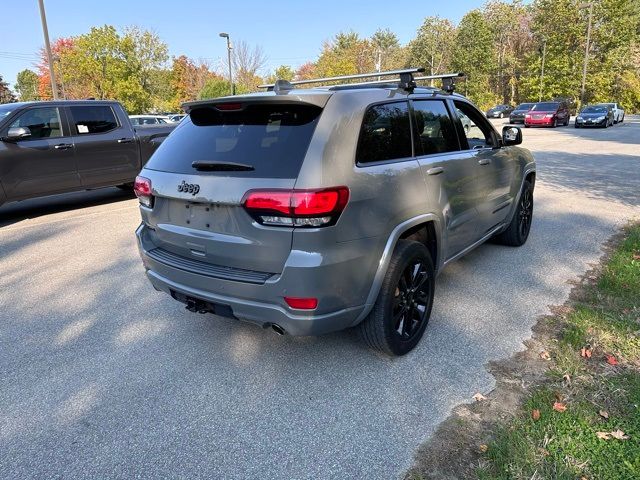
x: 192, y: 188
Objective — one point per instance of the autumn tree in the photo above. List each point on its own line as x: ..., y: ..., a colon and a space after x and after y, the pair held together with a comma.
x: 27, y: 85
x: 432, y: 47
x: 188, y: 78
x: 247, y: 62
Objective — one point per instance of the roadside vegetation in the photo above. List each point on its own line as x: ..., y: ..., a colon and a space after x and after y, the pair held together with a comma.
x: 584, y: 421
x: 566, y: 407
x: 498, y: 46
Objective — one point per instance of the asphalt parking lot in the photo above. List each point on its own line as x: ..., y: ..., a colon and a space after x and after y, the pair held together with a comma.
x: 101, y: 376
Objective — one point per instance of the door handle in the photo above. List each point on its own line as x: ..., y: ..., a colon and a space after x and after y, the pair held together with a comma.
x: 125, y: 140
x: 63, y: 146
x: 484, y: 161
x: 435, y: 171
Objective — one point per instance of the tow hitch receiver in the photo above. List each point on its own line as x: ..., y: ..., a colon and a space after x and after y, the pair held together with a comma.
x: 196, y: 306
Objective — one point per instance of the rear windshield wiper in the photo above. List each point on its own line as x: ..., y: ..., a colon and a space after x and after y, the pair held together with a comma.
x: 213, y: 166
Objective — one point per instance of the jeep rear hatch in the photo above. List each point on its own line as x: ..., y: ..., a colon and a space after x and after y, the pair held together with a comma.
x: 203, y: 170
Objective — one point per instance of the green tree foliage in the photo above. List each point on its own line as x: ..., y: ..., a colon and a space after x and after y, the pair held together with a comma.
x: 214, y: 88
x: 474, y: 55
x: 283, y: 72
x: 27, y: 85
x: 6, y: 95
x: 433, y: 46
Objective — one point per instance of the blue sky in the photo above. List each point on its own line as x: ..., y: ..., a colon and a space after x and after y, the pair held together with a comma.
x: 290, y: 32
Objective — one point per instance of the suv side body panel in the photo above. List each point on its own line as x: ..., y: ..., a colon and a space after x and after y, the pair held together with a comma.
x: 342, y: 265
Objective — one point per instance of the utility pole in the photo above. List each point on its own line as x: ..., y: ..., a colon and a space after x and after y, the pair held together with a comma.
x: 582, y: 6
x: 544, y: 56
x: 47, y: 46
x: 226, y: 35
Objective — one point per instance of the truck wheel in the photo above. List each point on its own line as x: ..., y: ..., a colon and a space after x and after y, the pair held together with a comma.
x: 517, y: 232
x: 400, y: 315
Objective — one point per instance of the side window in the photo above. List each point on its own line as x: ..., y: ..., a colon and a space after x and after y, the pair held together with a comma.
x: 385, y: 133
x: 43, y: 122
x: 93, y: 119
x: 477, y: 129
x: 436, y: 131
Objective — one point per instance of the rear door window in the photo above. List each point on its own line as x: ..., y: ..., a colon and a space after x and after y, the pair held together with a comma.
x: 272, y: 139
x: 436, y: 132
x: 93, y: 119
x: 385, y: 134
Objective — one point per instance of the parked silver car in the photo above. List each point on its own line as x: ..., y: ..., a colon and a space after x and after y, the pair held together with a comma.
x: 314, y: 210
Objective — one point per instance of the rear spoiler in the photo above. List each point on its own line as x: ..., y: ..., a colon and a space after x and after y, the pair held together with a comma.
x: 319, y: 99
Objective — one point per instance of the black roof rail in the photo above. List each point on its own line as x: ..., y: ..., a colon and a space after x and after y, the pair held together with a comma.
x: 405, y: 81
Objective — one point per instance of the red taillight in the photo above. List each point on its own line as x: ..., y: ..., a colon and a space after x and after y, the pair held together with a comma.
x: 142, y: 189
x: 297, y: 208
x: 302, y: 303
x: 227, y: 107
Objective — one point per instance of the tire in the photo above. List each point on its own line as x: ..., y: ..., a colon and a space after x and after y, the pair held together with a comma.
x: 386, y: 328
x: 526, y: 126
x: 566, y: 123
x: 518, y: 230
x: 622, y: 119
x: 576, y: 125
x: 502, y: 115
x: 555, y: 123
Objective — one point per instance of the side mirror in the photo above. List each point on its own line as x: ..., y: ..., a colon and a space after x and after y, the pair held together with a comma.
x: 511, y: 136
x: 17, y: 133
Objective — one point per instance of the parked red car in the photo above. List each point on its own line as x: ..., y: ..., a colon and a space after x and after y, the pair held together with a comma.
x: 548, y: 114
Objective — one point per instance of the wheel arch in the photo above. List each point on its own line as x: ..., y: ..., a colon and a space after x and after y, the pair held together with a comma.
x: 425, y: 228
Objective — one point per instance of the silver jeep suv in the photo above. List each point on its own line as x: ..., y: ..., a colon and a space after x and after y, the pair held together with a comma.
x: 314, y: 210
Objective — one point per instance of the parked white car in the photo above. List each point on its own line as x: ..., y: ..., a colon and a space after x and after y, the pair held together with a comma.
x: 618, y: 112
x: 138, y: 120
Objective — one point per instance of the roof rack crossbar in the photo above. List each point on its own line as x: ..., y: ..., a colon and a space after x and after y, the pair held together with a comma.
x: 409, y: 71
x: 448, y: 80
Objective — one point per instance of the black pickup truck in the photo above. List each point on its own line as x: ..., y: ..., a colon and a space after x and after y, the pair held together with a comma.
x: 62, y: 146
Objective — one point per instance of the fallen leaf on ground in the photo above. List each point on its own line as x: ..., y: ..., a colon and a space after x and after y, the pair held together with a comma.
x: 636, y: 256
x: 611, y: 360
x: 585, y: 352
x: 567, y: 378
x: 559, y: 406
x: 483, y: 448
x: 535, y: 414
x: 619, y: 434
x: 543, y: 451
x: 604, y: 414
x: 479, y: 397
x: 545, y: 355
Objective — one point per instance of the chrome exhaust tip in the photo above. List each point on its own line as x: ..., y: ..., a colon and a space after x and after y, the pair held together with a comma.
x: 278, y: 329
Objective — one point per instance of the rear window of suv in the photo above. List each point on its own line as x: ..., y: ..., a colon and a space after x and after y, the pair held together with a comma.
x: 271, y: 138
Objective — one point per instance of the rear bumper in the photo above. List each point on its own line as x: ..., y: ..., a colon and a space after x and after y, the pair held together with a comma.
x: 263, y: 304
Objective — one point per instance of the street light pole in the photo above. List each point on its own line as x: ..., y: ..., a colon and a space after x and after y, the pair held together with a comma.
x: 47, y: 46
x: 226, y: 35
x: 588, y: 5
